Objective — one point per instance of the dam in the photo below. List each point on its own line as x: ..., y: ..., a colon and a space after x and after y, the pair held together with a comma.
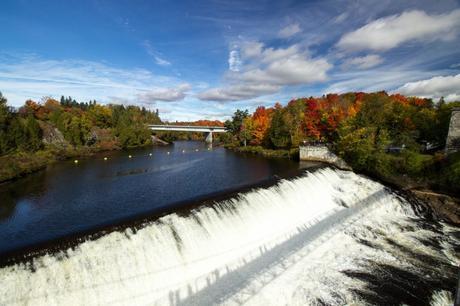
x: 327, y: 236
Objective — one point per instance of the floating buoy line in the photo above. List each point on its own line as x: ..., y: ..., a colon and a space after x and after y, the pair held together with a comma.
x: 105, y: 158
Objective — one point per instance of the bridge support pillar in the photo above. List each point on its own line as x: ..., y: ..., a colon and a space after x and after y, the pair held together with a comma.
x: 208, y: 137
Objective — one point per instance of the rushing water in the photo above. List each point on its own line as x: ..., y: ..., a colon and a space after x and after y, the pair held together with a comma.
x: 327, y: 237
x: 69, y: 197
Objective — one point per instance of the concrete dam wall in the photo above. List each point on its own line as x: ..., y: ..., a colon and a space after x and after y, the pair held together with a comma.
x: 321, y: 153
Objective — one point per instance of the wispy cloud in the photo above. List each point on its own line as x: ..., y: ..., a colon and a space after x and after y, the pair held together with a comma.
x: 157, y: 56
x: 234, y: 60
x: 289, y: 30
x: 363, y: 62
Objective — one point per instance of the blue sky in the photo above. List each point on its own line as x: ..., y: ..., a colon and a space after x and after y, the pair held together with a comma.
x: 204, y: 59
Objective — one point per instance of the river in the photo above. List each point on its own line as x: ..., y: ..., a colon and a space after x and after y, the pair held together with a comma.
x: 72, y: 197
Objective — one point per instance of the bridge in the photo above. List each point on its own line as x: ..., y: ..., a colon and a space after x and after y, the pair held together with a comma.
x: 208, y: 130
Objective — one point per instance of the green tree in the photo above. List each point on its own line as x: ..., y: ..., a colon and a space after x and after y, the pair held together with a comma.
x: 33, y: 133
x: 5, y: 116
x: 234, y: 125
x: 279, y: 132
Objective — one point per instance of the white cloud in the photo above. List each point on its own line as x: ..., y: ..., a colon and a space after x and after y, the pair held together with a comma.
x: 285, y: 66
x: 164, y: 94
x: 289, y: 30
x: 270, y: 55
x: 238, y: 92
x: 252, y: 49
x: 157, y: 57
x: 435, y: 87
x: 234, y: 61
x: 293, y: 70
x: 363, y: 62
x: 267, y: 70
x: 389, y: 32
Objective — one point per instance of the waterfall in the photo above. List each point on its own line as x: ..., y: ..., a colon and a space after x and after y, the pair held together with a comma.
x: 301, y: 241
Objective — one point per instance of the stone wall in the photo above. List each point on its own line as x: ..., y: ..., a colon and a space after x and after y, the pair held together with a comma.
x: 321, y: 153
x: 453, y: 137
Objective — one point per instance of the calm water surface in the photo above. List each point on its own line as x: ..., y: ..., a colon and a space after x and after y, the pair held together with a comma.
x: 68, y: 198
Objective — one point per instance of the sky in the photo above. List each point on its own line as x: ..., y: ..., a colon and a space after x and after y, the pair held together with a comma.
x: 204, y: 59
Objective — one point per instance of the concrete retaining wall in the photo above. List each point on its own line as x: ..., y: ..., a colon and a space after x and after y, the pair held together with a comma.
x: 453, y: 137
x: 321, y: 153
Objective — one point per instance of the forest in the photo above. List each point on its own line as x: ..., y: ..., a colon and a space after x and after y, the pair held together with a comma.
x: 37, y: 133
x: 395, y: 138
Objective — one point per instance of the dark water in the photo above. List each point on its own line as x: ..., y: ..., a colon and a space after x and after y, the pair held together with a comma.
x: 68, y: 198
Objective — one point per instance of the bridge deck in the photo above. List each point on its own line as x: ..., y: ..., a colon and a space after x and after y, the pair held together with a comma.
x: 187, y: 128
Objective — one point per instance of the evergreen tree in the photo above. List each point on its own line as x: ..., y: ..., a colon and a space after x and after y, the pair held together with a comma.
x: 33, y: 133
x: 234, y: 125
x: 17, y: 134
x: 4, y: 120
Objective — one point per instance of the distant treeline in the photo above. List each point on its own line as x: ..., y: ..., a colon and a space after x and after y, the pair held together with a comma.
x: 173, y: 136
x: 366, y: 129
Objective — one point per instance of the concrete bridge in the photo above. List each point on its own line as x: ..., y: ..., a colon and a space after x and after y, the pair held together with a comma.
x: 208, y: 130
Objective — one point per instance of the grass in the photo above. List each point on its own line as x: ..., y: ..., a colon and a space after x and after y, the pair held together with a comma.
x: 279, y: 153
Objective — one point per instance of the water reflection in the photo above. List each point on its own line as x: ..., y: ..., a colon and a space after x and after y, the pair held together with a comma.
x: 70, y: 197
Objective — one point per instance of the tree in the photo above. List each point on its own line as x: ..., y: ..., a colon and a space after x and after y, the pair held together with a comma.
x: 279, y: 131
x: 101, y: 115
x: 33, y: 133
x: 234, y: 126
x: 246, y: 130
x: 5, y: 117
x: 261, y: 122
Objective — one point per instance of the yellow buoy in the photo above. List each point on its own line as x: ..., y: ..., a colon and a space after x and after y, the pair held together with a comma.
x: 105, y: 158
x: 76, y: 161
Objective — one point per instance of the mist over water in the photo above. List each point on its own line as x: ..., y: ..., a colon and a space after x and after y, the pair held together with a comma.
x: 327, y: 237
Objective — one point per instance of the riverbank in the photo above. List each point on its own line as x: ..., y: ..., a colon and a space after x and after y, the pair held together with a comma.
x: 17, y: 165
x: 278, y: 153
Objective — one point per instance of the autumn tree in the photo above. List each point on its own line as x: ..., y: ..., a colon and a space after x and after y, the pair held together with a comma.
x: 260, y: 124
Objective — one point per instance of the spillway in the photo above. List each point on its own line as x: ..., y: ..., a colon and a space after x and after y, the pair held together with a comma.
x: 326, y: 237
